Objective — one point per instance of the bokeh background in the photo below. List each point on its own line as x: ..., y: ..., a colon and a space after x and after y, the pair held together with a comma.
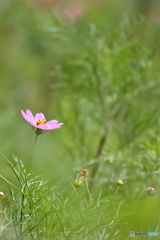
x: 95, y: 66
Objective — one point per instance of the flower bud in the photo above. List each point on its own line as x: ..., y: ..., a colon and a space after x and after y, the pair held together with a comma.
x: 1, y: 195
x: 151, y: 191
x: 81, y: 177
x: 120, y: 182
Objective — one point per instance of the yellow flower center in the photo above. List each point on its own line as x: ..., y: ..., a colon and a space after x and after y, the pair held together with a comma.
x: 40, y: 122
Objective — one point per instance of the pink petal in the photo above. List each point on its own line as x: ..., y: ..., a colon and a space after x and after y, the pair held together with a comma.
x: 43, y: 127
x: 28, y: 119
x: 58, y: 125
x: 24, y: 115
x: 40, y: 116
x: 33, y: 124
x: 52, y: 122
x: 50, y: 127
x: 55, y: 126
x: 30, y: 115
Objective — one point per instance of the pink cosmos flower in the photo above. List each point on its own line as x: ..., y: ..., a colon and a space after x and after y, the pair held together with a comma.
x: 39, y: 121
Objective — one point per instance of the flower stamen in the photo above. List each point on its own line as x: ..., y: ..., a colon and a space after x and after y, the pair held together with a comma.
x: 41, y: 122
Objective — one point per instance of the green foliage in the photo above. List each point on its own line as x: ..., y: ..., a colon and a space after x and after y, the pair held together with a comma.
x: 38, y: 211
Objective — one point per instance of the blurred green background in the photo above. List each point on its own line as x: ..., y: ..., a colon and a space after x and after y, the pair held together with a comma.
x: 95, y: 66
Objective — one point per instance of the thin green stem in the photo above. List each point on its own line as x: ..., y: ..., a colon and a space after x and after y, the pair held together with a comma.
x: 116, y: 191
x: 26, y: 186
x: 89, y: 194
x: 32, y: 153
